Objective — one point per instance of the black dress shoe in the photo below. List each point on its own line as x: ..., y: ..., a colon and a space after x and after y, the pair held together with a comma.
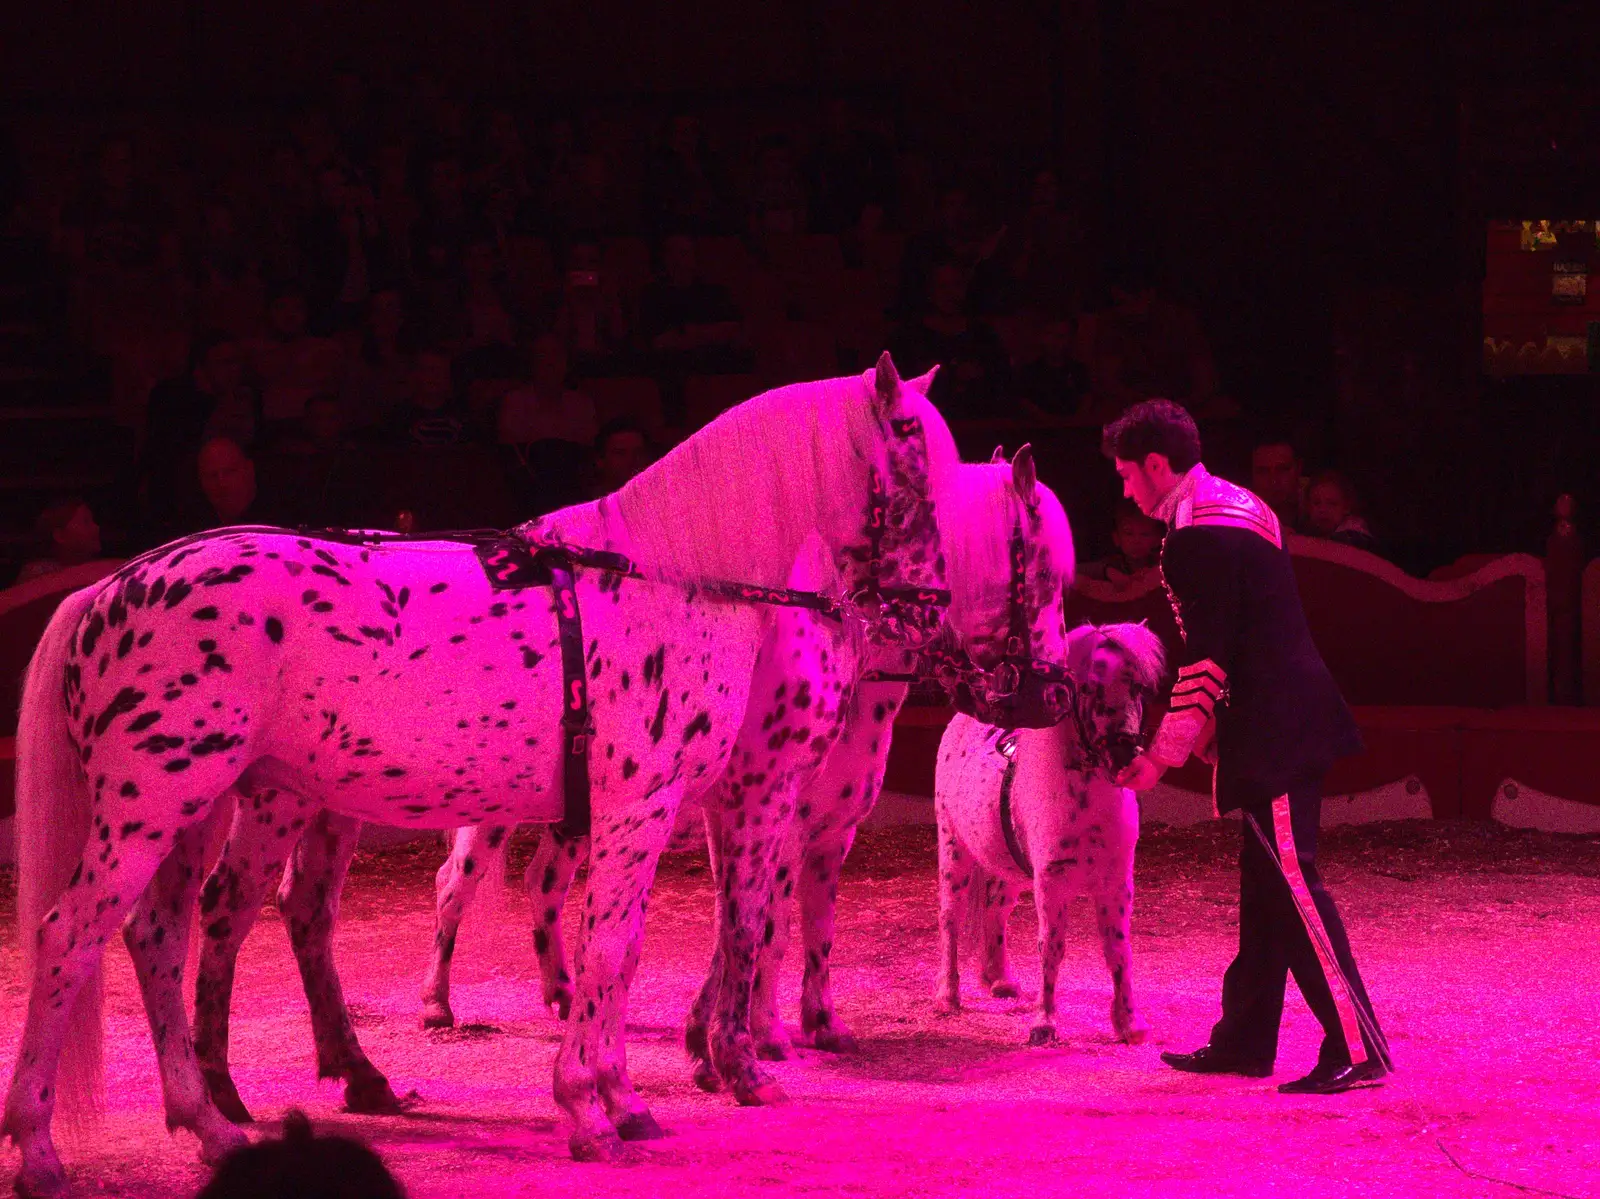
x: 1330, y: 1080
x: 1210, y: 1060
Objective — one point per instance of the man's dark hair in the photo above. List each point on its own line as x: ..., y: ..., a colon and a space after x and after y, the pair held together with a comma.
x: 617, y: 424
x: 1153, y: 427
x: 303, y: 1165
x: 1266, y: 437
x: 202, y: 345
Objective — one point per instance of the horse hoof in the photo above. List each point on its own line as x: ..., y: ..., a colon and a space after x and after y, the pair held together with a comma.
x: 226, y: 1097
x: 775, y: 1051
x: 560, y: 1004
x: 835, y: 1039
x: 605, y: 1147
x: 1006, y: 988
x: 1043, y: 1035
x: 765, y: 1094
x: 216, y: 1143
x: 640, y: 1126
x: 1137, y: 1035
x: 697, y: 1042
x: 947, y: 1005
x: 706, y: 1077
x: 45, y: 1183
x: 438, y: 1015
x: 372, y: 1096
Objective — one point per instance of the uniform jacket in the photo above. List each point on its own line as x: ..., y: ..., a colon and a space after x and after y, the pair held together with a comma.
x: 1248, y: 662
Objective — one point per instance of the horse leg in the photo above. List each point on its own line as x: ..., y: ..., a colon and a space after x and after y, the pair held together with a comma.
x: 259, y: 840
x: 772, y: 1039
x: 475, y: 850
x: 1000, y: 896
x: 1051, y: 898
x: 957, y: 872
x: 308, y: 899
x: 157, y: 937
x: 591, y: 1075
x: 71, y: 943
x: 1113, y: 909
x: 697, y: 1033
x: 554, y: 865
x: 819, y: 906
x: 752, y: 836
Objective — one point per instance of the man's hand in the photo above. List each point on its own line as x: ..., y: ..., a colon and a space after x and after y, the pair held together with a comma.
x: 1141, y: 774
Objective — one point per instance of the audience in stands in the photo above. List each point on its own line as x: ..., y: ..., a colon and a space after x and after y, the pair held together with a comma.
x: 228, y: 482
x: 974, y: 373
x: 589, y: 317
x: 547, y: 407
x: 1145, y: 347
x: 684, y: 183
x: 1333, y: 512
x: 291, y: 363
x: 64, y: 535
x: 433, y: 414
x: 1277, y: 476
x: 377, y: 382
x: 1137, y: 559
x: 302, y: 1165
x: 1047, y: 380
x: 687, y: 322
x: 621, y: 450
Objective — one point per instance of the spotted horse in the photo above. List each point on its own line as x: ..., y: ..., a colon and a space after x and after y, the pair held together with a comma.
x: 394, y: 684
x: 1039, y: 810
x: 981, y: 521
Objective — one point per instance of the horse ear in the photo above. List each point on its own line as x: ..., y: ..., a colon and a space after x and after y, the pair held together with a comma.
x: 1023, y: 477
x: 886, y: 383
x: 998, y: 458
x: 924, y: 382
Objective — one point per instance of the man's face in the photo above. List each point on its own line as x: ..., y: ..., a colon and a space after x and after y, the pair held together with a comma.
x: 431, y: 385
x: 228, y: 479
x: 622, y: 457
x: 1275, y: 476
x: 288, y: 316
x: 222, y: 370
x: 1140, y: 485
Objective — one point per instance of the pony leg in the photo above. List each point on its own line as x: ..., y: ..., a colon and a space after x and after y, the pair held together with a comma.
x: 1051, y: 897
x: 157, y: 937
x: 1000, y: 896
x: 548, y: 879
x: 71, y: 942
x: 230, y: 904
x: 697, y: 1033
x: 591, y: 1076
x: 773, y: 1042
x: 308, y: 899
x: 475, y: 850
x: 956, y: 878
x: 819, y: 906
x: 1113, y: 909
x: 752, y: 837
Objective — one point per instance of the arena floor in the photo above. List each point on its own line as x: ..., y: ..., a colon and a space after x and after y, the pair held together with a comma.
x: 1479, y: 946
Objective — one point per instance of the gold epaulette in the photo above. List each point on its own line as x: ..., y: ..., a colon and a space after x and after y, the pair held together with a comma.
x: 1219, y: 503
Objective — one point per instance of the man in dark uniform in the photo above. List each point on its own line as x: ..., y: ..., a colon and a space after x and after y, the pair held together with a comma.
x: 1254, y: 699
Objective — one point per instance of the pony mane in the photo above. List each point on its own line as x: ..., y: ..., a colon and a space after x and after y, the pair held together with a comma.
x: 976, y: 515
x: 1142, y: 649
x: 738, y: 499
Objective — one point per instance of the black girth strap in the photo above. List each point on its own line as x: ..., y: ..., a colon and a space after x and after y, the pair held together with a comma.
x: 1006, y: 747
x: 576, y: 725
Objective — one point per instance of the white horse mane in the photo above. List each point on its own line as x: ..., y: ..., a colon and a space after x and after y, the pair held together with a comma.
x: 976, y: 516
x: 1140, y: 647
x: 738, y: 499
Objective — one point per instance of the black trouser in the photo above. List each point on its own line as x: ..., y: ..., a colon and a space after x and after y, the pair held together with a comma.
x: 1274, y: 940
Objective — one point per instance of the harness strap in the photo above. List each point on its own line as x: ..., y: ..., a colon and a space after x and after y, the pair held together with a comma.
x: 1006, y: 747
x: 577, y: 726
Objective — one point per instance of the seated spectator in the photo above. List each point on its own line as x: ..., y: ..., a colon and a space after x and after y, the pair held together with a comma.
x: 1333, y: 513
x: 378, y: 382
x: 344, y: 249
x: 684, y: 317
x: 849, y: 169
x: 229, y: 296
x: 547, y: 408
x: 621, y: 450
x: 589, y: 318
x: 291, y: 364
x: 1046, y: 378
x: 228, y: 482
x: 212, y: 400
x: 683, y: 183
x: 974, y: 375
x: 302, y: 1166
x: 1146, y: 347
x: 860, y: 241
x: 954, y: 238
x: 321, y: 469
x: 1138, y: 554
x: 433, y: 417
x: 64, y: 535
x: 777, y: 200
x: 1277, y: 477
x: 486, y: 313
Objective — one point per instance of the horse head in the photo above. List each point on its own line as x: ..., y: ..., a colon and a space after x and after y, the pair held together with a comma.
x: 1117, y: 669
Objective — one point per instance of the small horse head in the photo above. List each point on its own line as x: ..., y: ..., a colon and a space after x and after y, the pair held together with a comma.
x: 1118, y: 668
x: 1011, y: 555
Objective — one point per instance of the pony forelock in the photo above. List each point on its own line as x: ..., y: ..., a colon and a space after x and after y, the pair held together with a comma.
x: 1140, y: 648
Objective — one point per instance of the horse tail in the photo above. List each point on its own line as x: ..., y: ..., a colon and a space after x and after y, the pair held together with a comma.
x: 52, y: 828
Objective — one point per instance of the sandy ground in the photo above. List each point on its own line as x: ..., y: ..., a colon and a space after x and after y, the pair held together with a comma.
x: 1479, y: 945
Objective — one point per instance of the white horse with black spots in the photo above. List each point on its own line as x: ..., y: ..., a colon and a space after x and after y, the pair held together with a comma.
x: 1038, y: 810
x: 393, y: 684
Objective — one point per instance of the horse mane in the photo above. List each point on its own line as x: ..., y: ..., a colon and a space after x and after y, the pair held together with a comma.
x: 1140, y: 647
x: 976, y: 516
x: 738, y: 498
